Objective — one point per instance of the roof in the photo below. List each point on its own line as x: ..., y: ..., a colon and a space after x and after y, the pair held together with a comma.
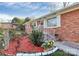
x: 60, y: 11
x: 5, y: 23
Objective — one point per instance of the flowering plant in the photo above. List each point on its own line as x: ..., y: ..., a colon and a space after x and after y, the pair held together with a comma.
x: 48, y: 44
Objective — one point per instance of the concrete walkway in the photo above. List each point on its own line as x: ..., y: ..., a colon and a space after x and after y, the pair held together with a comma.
x: 68, y: 47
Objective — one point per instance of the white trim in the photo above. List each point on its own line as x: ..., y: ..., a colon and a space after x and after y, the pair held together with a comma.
x: 38, y: 53
x: 58, y: 23
x: 36, y: 23
x: 45, y: 23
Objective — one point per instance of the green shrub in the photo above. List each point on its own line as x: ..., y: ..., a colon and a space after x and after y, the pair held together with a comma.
x: 1, y: 34
x: 36, y: 37
x: 1, y: 40
x: 60, y: 53
x: 15, y: 33
x: 1, y: 44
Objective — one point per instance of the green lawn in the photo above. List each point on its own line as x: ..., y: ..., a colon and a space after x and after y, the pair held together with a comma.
x: 2, y: 55
x: 60, y: 53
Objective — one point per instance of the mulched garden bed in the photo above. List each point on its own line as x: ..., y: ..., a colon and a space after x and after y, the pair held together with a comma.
x: 22, y: 44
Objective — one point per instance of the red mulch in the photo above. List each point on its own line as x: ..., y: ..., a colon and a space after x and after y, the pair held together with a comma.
x: 23, y: 44
x: 11, y: 49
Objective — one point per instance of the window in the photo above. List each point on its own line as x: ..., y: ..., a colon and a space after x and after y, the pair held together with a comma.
x: 52, y: 23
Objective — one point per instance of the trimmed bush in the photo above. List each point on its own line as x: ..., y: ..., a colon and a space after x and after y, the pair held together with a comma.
x: 36, y: 37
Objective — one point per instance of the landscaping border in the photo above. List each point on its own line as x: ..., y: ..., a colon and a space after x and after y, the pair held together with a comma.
x: 38, y: 54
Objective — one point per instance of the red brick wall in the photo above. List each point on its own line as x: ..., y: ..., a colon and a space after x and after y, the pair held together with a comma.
x: 6, y: 26
x: 69, y: 29
x: 49, y: 30
x: 69, y: 26
x: 28, y: 28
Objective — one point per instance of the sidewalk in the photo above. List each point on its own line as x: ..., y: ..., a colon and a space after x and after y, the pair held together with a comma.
x: 68, y: 47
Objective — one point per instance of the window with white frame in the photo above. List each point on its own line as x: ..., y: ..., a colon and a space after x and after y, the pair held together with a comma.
x: 52, y: 23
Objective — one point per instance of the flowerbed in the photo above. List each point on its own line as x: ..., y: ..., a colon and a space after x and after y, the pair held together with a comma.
x: 22, y: 44
x: 45, y: 53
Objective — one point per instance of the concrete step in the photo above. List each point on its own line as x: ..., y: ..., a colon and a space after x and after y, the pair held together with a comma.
x: 71, y: 44
x: 68, y: 47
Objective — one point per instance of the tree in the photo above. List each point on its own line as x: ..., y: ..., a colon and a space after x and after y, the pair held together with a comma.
x: 15, y: 20
x: 27, y: 19
x: 65, y: 4
x: 19, y: 23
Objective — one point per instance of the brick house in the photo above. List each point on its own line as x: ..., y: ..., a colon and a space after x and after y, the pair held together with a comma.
x: 7, y: 25
x: 64, y: 22
x: 28, y: 28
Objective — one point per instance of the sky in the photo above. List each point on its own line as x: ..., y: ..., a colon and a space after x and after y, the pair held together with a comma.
x: 8, y: 10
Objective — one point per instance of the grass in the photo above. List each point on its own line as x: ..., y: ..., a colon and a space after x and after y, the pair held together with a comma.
x: 57, y: 53
x: 2, y: 55
x: 60, y: 53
